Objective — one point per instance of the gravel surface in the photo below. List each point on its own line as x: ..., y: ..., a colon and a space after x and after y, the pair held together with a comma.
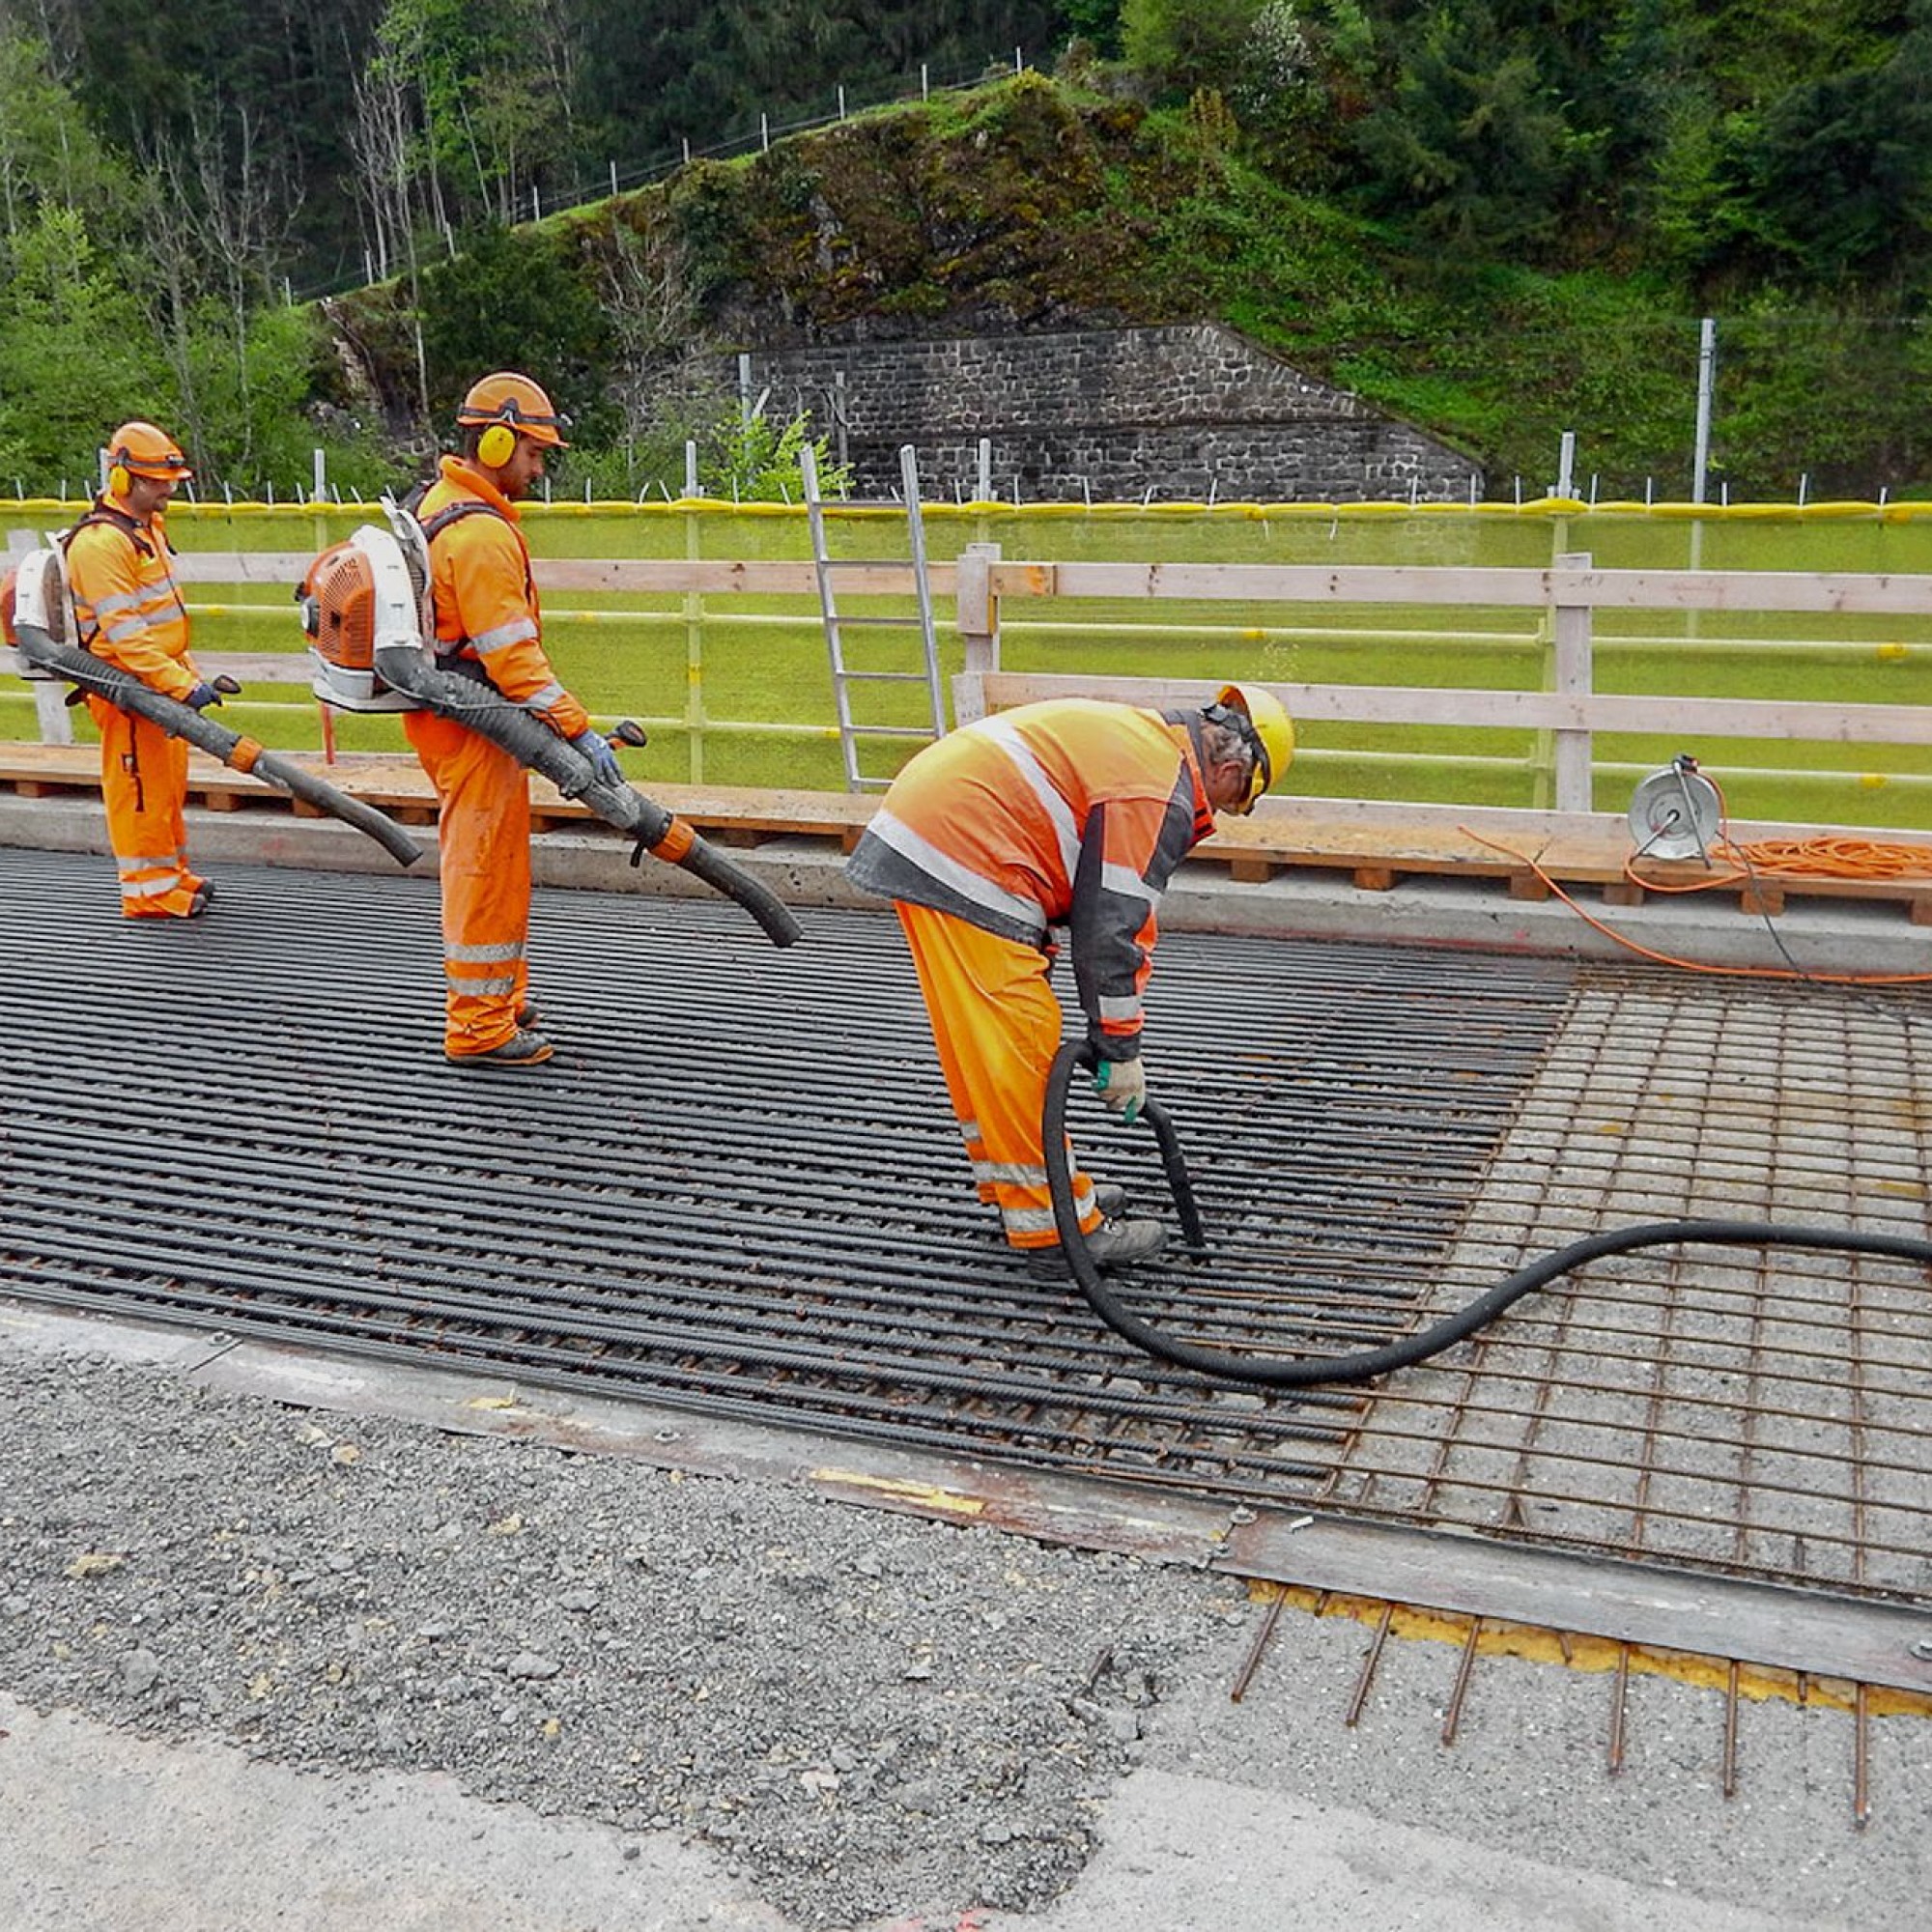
x: 874, y: 1722
x: 867, y: 1714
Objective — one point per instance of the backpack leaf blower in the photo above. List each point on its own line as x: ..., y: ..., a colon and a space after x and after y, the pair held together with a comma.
x: 366, y: 612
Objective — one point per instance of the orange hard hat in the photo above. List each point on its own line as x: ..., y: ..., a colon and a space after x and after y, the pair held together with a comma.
x: 518, y: 404
x: 142, y: 449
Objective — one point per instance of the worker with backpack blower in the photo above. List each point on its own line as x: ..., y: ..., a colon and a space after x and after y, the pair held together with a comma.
x: 488, y: 628
x: 129, y: 613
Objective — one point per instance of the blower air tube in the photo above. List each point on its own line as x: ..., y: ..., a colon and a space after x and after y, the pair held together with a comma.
x: 239, y: 753
x: 1368, y: 1363
x: 533, y: 744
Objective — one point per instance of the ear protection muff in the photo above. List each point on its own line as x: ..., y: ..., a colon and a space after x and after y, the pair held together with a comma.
x: 497, y: 445
x: 118, y: 480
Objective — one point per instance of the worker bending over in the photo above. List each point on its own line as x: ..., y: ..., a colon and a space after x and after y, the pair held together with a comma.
x: 128, y: 612
x: 488, y: 627
x: 1065, y: 813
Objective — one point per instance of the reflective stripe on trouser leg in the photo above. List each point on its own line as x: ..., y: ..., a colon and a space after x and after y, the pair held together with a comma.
x: 997, y: 1025
x: 483, y: 832
x: 143, y: 786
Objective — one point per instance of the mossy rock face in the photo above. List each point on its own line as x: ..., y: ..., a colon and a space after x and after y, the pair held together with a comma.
x: 996, y: 206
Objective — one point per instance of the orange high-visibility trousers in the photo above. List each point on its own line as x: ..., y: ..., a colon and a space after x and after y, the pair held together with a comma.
x: 144, y: 785
x: 483, y: 830
x: 997, y: 1025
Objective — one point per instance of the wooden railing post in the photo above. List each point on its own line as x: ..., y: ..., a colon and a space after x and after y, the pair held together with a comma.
x: 978, y: 613
x: 1571, y: 637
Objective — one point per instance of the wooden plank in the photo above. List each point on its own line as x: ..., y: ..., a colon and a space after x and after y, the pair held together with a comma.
x: 1835, y: 592
x: 649, y: 575
x: 1517, y: 710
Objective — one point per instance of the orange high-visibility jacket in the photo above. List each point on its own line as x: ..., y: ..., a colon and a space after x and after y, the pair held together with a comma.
x: 126, y: 601
x: 485, y: 600
x: 1068, y: 812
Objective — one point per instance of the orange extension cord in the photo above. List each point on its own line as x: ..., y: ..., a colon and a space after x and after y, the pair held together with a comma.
x: 1766, y: 858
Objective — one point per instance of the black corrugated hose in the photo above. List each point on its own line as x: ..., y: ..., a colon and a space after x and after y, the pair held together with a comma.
x: 239, y: 752
x: 532, y: 742
x: 1368, y: 1363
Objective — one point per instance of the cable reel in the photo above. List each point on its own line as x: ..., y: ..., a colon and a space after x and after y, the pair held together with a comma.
x: 1676, y: 813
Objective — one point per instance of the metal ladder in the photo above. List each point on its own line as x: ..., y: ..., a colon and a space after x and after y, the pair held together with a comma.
x: 882, y: 576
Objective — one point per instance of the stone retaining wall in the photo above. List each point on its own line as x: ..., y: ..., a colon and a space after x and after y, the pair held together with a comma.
x: 1188, y: 413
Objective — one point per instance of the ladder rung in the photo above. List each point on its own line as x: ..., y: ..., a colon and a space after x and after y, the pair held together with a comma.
x: 878, y: 623
x: 866, y: 564
x: 882, y: 676
x: 862, y: 503
x: 888, y: 731
x: 862, y: 783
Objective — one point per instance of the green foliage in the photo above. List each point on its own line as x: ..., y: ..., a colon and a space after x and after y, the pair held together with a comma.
x: 1842, y: 167
x: 1474, y: 145
x: 515, y: 299
x: 1186, y: 44
x: 75, y: 358
x: 751, y: 460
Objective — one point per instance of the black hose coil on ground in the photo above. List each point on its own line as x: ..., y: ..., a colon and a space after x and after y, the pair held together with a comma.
x: 1368, y: 1363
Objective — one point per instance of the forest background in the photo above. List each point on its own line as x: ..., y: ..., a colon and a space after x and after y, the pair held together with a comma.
x: 276, y: 227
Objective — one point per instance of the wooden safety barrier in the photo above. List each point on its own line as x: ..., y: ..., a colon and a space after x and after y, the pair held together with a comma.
x: 1375, y: 846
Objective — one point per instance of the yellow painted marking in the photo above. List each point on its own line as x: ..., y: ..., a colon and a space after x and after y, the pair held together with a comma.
x: 949, y: 1501
x: 1596, y: 1655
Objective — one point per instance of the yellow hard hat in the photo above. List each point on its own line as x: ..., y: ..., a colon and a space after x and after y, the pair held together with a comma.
x: 141, y: 450
x: 1264, y: 721
x: 517, y: 403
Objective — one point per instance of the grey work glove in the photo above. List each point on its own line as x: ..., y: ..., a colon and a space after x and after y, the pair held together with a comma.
x: 1121, y: 1085
x: 603, y: 766
x: 202, y: 697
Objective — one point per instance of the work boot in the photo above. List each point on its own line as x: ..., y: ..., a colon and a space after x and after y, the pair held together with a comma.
x: 1121, y: 1243
x: 1111, y: 1197
x: 522, y: 1048
x: 1111, y: 1244
x: 198, y: 905
x: 529, y: 1014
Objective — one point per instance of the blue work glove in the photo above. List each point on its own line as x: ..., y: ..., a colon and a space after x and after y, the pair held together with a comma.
x: 202, y: 697
x: 603, y: 766
x: 1121, y: 1085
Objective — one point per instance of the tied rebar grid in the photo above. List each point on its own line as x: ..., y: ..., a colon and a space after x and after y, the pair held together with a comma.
x: 737, y: 1186
x: 1761, y: 1412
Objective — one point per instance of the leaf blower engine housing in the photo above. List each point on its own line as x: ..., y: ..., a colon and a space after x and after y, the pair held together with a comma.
x: 362, y: 597
x: 35, y: 593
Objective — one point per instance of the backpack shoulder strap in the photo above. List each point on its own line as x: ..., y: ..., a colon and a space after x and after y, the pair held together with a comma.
x: 454, y: 513
x: 118, y: 520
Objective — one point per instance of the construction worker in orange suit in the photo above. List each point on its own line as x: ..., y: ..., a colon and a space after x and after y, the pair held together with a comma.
x: 1069, y: 812
x: 488, y: 627
x: 128, y: 611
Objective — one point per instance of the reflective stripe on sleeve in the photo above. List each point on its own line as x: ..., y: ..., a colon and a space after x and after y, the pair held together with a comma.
x: 1129, y: 884
x: 501, y: 636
